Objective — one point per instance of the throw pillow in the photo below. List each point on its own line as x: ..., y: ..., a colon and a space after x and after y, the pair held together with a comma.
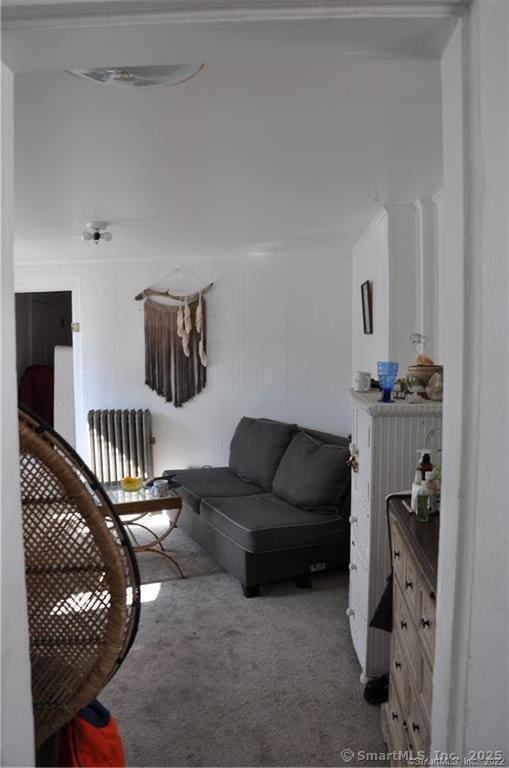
x: 311, y: 474
x: 257, y: 447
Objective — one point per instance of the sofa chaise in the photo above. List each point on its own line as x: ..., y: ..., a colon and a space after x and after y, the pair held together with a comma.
x: 279, y: 510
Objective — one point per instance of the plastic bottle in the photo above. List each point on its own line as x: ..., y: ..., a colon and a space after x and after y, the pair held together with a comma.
x: 434, y: 492
x: 415, y: 489
x: 423, y: 503
x: 425, y: 464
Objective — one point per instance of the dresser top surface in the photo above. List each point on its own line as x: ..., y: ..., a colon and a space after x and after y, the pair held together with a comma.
x: 370, y: 403
x: 422, y: 538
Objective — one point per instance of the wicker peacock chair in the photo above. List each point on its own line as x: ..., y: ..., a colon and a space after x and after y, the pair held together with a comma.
x: 81, y: 575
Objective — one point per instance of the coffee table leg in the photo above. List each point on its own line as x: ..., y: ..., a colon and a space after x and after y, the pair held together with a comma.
x: 167, y: 555
x: 151, y: 546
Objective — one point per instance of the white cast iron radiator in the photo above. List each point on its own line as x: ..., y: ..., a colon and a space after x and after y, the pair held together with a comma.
x: 120, y: 444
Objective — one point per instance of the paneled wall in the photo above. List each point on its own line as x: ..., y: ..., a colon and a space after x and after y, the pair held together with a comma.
x: 278, y: 337
x: 401, y: 253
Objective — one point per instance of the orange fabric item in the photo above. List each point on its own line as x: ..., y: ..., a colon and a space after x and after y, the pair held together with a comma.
x: 90, y: 740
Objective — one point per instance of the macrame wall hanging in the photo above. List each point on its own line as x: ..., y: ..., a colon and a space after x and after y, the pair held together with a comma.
x: 175, y: 345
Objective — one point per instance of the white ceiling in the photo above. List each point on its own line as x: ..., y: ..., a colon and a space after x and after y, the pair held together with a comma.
x: 239, y: 160
x: 22, y: 10
x: 43, y: 35
x: 288, y: 134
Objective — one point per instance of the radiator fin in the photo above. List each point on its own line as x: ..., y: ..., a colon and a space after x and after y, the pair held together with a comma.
x: 120, y: 443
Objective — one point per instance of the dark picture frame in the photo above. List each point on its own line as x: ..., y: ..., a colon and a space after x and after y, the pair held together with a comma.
x: 367, y: 307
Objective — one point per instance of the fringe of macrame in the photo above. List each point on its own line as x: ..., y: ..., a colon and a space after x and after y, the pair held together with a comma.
x: 169, y: 371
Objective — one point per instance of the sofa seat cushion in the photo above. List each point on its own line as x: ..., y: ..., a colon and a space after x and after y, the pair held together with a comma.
x: 257, y: 447
x: 312, y: 475
x: 264, y: 523
x: 213, y: 481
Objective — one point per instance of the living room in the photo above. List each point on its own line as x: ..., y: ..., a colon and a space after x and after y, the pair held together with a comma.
x: 259, y: 178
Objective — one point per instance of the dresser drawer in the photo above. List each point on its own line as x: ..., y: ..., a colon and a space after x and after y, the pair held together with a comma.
x: 358, y: 626
x: 395, y: 717
x: 410, y: 586
x: 424, y: 683
x: 405, y: 571
x: 405, y: 628
x: 362, y: 441
x: 399, y: 672
x: 398, y: 554
x: 426, y: 616
x: 359, y: 525
x: 359, y: 577
x: 417, y: 732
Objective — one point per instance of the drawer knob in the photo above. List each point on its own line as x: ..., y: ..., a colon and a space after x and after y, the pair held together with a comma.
x: 350, y: 612
x: 352, y: 567
x: 415, y: 727
x: 352, y: 519
x: 396, y: 553
x: 394, y: 715
x: 397, y: 664
x: 403, y: 624
x: 425, y: 623
x: 408, y: 585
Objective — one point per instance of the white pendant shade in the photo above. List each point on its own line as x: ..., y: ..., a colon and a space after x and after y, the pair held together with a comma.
x: 139, y: 77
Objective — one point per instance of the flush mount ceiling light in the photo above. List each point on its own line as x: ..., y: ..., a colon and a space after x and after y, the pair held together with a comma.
x: 95, y: 232
x: 139, y: 77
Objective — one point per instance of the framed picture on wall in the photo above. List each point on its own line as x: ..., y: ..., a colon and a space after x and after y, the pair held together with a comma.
x: 367, y: 308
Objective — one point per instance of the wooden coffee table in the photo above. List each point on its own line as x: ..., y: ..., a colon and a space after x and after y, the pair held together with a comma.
x: 134, y: 506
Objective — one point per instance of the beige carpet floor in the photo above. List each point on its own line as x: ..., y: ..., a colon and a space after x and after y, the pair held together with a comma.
x: 214, y: 679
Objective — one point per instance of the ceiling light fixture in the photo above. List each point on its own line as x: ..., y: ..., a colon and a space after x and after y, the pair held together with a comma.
x: 95, y: 232
x: 140, y: 77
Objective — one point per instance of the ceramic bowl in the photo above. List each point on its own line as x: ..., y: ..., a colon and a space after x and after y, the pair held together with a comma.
x: 421, y: 374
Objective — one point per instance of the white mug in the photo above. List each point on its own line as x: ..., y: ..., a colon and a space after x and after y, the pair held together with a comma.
x: 362, y: 381
x: 159, y: 489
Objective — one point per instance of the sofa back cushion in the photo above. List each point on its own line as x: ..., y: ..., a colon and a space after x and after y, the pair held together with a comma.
x: 312, y: 475
x: 257, y: 447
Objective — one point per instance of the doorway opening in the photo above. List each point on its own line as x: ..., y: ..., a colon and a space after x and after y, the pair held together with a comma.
x: 44, y: 356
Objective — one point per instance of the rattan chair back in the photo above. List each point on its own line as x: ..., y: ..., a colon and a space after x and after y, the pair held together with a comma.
x: 81, y: 577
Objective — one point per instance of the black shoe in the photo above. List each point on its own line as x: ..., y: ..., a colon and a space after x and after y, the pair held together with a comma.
x: 377, y: 690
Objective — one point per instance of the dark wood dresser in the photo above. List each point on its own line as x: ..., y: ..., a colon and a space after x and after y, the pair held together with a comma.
x: 406, y: 718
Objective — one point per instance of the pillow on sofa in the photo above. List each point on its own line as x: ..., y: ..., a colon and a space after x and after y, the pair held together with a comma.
x: 257, y: 447
x: 312, y: 474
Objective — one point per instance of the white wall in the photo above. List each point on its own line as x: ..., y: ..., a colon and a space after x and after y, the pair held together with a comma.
x: 398, y: 255
x: 16, y: 739
x: 471, y: 680
x: 278, y: 342
x: 371, y: 262
x: 441, y: 266
x: 64, y: 402
x: 238, y: 160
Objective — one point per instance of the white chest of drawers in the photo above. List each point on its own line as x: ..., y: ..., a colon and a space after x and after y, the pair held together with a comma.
x: 386, y: 438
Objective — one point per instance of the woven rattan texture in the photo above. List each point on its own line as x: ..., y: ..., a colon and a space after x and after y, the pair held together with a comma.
x: 80, y: 581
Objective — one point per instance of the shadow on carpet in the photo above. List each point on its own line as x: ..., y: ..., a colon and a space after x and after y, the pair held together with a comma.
x: 214, y: 679
x: 193, y: 560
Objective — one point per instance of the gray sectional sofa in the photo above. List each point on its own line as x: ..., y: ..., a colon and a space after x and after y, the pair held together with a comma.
x: 279, y: 510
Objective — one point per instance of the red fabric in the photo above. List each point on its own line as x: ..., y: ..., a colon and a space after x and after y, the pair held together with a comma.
x: 36, y: 391
x: 85, y: 745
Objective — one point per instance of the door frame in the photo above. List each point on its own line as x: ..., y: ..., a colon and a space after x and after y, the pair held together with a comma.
x: 448, y: 719
x: 50, y: 285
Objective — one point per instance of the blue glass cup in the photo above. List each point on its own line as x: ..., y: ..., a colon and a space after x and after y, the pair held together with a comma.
x: 387, y: 375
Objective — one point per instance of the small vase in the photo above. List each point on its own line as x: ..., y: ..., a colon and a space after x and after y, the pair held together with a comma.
x: 387, y: 375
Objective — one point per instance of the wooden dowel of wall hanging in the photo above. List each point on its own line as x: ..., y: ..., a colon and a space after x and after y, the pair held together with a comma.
x: 182, y: 297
